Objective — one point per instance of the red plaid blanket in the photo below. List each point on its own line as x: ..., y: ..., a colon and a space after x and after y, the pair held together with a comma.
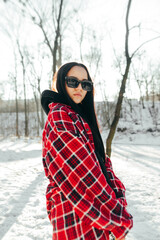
x: 80, y: 203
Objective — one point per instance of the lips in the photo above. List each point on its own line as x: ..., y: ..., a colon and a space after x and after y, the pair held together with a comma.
x: 77, y: 94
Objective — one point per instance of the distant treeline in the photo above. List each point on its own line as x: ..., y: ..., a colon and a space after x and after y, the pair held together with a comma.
x: 7, y: 106
x: 135, y: 117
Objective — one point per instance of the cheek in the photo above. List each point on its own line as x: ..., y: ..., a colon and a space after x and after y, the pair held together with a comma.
x: 85, y: 93
x: 67, y: 89
x: 69, y: 92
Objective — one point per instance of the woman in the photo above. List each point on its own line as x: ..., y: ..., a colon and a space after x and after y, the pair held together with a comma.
x: 85, y: 200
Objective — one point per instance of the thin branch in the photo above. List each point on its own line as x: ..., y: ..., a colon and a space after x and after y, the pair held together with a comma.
x: 53, y: 15
x: 45, y: 36
x: 136, y: 26
x: 116, y: 57
x: 151, y: 30
x: 152, y: 39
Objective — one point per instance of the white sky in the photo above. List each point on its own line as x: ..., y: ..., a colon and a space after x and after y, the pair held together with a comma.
x: 107, y: 18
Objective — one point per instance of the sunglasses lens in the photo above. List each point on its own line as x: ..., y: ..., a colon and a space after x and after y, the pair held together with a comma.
x: 87, y: 86
x: 72, y: 83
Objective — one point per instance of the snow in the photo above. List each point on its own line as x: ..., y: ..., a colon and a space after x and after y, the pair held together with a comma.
x: 22, y: 196
x: 139, y: 168
x: 23, y: 184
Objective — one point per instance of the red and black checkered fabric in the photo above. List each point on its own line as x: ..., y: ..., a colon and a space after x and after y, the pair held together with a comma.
x: 80, y: 203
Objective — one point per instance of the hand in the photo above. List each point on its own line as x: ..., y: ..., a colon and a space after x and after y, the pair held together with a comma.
x: 121, y: 239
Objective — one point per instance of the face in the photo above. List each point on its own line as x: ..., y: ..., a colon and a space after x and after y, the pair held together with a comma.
x: 77, y: 94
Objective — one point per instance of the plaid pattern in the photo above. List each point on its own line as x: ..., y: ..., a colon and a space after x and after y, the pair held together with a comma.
x: 80, y: 203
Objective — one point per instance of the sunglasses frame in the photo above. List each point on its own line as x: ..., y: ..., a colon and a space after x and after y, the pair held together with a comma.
x: 79, y: 82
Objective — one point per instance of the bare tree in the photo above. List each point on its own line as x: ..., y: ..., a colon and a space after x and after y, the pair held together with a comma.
x: 93, y: 56
x: 7, y: 27
x: 21, y: 51
x: 47, y: 15
x: 122, y: 88
x: 13, y: 77
x: 128, y: 58
x: 147, y: 84
x: 138, y: 77
x: 158, y: 82
x: 34, y: 79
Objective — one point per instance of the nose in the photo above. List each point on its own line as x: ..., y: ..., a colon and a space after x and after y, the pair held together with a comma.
x: 79, y: 87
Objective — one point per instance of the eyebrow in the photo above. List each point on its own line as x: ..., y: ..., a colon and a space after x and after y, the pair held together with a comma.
x: 78, y: 78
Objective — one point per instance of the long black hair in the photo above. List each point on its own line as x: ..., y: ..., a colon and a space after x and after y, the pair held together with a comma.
x: 86, y: 109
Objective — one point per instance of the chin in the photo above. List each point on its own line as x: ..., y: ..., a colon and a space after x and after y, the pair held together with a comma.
x: 77, y: 102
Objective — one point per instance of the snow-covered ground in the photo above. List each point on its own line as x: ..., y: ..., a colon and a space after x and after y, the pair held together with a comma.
x: 23, y: 184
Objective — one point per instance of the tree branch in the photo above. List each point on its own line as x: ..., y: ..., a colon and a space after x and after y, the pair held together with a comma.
x: 152, y: 39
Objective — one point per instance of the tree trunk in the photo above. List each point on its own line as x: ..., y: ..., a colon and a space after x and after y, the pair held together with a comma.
x: 24, y: 88
x: 37, y: 111
x: 16, y: 96
x: 25, y: 106
x: 42, y: 118
x: 117, y: 111
x: 153, y: 94
x: 122, y: 88
x: 42, y: 112
x: 16, y: 99
x: 57, y: 37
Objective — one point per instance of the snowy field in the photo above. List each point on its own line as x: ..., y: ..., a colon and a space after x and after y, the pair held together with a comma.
x: 23, y: 184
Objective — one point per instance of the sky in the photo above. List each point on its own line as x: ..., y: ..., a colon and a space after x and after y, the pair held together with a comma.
x: 106, y: 17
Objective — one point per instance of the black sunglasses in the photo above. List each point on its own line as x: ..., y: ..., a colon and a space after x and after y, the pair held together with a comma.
x: 73, y: 82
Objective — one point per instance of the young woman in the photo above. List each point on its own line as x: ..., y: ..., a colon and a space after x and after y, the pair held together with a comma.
x: 85, y: 200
